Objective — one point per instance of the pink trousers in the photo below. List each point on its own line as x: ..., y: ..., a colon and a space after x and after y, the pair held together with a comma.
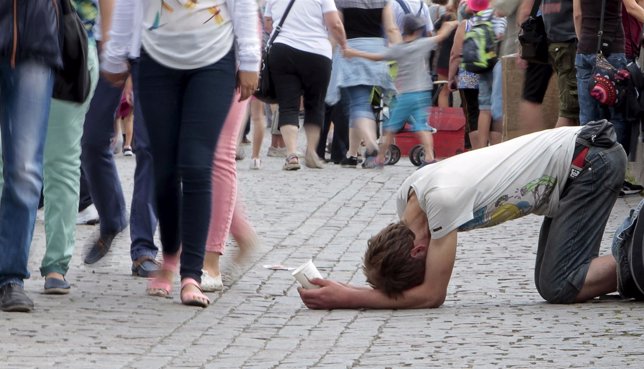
x: 227, y: 213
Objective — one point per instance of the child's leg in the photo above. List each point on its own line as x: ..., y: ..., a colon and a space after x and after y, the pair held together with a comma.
x: 401, y: 109
x: 485, y: 105
x: 421, y: 102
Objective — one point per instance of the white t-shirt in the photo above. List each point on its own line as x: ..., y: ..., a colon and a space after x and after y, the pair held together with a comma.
x: 304, y: 28
x: 489, y: 186
x: 186, y: 34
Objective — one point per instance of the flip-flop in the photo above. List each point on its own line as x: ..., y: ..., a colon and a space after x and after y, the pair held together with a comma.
x: 159, y: 285
x: 193, y: 298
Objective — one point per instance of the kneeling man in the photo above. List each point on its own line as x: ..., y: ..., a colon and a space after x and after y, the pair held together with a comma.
x: 571, y: 175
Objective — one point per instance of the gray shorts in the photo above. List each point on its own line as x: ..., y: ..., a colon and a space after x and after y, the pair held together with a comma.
x: 571, y: 238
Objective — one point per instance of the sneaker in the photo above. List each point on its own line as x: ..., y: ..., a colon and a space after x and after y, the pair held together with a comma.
x: 88, y: 216
x: 350, y: 162
x: 372, y: 161
x: 127, y: 151
x: 255, y: 163
x: 424, y: 163
x: 14, y: 299
x: 277, y: 152
x: 630, y: 189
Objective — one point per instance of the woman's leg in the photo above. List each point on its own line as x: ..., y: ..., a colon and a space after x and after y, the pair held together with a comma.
x: 258, y: 122
x: 207, y: 97
x: 161, y: 95
x: 62, y: 177
x: 224, y: 186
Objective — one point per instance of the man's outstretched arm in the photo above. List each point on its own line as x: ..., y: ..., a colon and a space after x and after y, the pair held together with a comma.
x: 430, y: 294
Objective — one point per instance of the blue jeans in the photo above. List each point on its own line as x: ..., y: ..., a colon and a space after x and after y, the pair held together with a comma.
x: 589, y: 108
x: 358, y: 103
x: 571, y: 237
x: 97, y: 158
x: 184, y: 112
x: 143, y: 212
x: 25, y: 97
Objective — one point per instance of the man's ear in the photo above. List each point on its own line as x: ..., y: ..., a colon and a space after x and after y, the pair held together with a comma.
x: 419, y: 251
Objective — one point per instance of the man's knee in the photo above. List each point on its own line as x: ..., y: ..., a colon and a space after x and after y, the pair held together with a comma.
x: 557, y: 292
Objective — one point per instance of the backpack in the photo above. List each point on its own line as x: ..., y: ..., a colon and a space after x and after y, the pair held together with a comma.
x: 406, y: 9
x: 480, y: 48
x: 628, y: 250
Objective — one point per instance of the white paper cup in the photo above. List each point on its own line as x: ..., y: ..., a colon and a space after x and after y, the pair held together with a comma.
x: 305, y: 272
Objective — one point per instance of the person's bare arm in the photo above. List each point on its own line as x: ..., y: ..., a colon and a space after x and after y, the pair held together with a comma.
x: 524, y: 11
x: 576, y: 15
x: 455, y: 55
x: 106, y: 8
x: 336, y: 28
x: 389, y: 25
x: 634, y: 8
x: 350, y: 53
x: 430, y: 294
x: 445, y: 31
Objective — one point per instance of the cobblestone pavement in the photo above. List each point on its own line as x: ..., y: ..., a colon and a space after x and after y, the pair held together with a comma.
x: 493, y: 316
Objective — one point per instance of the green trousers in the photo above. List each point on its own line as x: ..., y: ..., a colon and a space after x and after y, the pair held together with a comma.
x: 61, y: 175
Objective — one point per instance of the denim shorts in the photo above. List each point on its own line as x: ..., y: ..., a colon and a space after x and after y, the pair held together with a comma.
x: 359, y: 103
x: 412, y: 107
x: 491, y: 91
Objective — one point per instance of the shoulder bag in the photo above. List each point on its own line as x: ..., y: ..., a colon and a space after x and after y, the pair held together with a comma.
x: 72, y: 82
x: 265, y: 86
x: 607, y: 83
x: 533, y: 38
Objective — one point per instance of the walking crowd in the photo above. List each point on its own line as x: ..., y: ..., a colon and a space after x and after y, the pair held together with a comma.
x: 181, y: 75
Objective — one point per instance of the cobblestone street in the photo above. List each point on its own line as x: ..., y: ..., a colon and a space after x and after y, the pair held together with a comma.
x: 493, y: 316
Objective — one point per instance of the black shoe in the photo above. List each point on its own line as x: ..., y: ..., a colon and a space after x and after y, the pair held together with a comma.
x: 350, y: 162
x: 144, y: 267
x: 99, y: 248
x: 630, y: 189
x: 13, y: 299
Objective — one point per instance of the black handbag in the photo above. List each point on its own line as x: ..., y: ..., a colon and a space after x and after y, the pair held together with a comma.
x: 533, y: 38
x: 72, y: 82
x: 265, y: 87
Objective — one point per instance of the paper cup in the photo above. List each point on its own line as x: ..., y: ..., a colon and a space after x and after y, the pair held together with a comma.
x: 305, y: 273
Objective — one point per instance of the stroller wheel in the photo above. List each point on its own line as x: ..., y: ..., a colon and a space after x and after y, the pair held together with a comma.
x: 392, y: 155
x: 417, y: 154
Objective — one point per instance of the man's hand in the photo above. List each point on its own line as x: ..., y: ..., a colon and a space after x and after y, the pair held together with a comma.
x: 116, y: 79
x: 331, y: 295
x: 247, y: 84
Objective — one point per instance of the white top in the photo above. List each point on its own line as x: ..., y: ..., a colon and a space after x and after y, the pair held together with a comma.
x: 304, y: 28
x: 489, y: 186
x: 414, y: 7
x: 184, y: 34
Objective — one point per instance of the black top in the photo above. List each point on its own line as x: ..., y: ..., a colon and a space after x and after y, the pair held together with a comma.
x: 613, y: 31
x: 362, y: 22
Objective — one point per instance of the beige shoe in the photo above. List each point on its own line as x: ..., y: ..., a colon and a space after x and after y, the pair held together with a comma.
x: 211, y: 283
x: 276, y: 152
x: 312, y: 160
